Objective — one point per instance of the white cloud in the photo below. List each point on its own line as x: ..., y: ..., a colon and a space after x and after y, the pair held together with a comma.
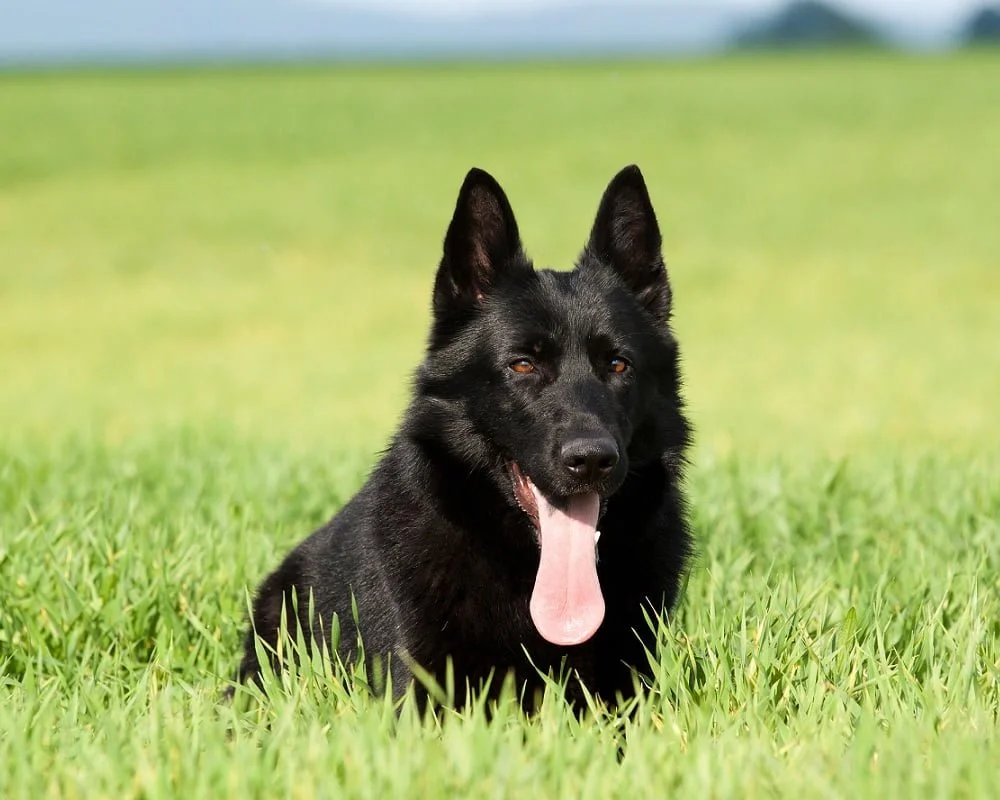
x: 928, y: 10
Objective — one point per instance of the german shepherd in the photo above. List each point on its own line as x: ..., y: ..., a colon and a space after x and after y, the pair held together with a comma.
x: 528, y: 515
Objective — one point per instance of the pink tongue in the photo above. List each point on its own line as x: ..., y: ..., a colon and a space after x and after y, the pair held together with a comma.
x: 567, y: 606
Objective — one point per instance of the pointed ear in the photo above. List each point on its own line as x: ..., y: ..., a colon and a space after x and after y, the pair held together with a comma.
x: 481, y: 242
x: 627, y: 239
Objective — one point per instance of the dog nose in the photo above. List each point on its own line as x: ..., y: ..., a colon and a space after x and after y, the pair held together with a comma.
x: 590, y: 458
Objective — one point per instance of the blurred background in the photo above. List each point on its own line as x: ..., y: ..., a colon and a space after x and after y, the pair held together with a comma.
x: 110, y: 31
x: 227, y: 215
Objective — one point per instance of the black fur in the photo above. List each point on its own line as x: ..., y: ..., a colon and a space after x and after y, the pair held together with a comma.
x: 435, y: 547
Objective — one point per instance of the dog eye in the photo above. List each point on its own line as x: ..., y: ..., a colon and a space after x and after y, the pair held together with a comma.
x: 522, y: 366
x: 618, y: 365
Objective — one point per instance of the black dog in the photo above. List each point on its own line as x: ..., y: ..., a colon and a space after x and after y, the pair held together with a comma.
x: 547, y: 407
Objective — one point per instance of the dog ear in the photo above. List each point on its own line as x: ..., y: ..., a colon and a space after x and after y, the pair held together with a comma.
x: 481, y: 242
x: 626, y: 237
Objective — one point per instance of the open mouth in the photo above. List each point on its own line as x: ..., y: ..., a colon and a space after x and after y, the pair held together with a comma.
x: 567, y: 606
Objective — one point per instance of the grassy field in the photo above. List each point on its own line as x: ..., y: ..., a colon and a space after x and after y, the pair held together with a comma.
x: 214, y: 286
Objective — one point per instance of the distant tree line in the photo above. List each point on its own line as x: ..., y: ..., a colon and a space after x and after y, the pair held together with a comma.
x: 808, y: 23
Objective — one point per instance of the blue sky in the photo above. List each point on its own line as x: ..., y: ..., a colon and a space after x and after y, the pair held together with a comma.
x: 41, y: 31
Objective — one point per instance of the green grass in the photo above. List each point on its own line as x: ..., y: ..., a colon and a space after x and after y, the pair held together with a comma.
x: 213, y: 288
